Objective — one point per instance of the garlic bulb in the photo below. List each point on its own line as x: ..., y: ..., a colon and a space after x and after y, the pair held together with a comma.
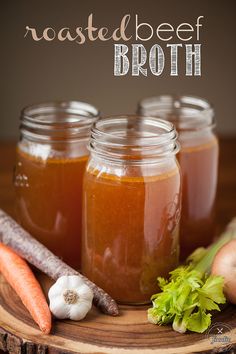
x: 70, y: 298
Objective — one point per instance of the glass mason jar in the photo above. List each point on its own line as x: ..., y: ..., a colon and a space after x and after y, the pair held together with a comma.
x: 51, y: 158
x: 198, y: 158
x: 131, y: 206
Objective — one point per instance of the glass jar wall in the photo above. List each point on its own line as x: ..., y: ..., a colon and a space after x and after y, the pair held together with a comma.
x: 131, y: 206
x: 51, y: 158
x: 198, y: 158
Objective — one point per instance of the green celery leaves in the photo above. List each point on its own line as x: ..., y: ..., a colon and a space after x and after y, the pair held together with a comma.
x: 186, y: 298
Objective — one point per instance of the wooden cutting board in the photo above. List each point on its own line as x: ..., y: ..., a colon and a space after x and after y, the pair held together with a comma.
x: 101, y: 334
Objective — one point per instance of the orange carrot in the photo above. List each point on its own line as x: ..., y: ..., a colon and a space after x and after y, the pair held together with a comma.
x: 21, y: 278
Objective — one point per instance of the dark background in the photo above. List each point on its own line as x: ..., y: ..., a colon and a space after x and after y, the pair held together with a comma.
x: 40, y: 71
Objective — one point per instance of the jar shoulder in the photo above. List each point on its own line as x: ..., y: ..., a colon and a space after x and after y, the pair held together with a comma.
x: 197, y: 138
x: 101, y: 169
x: 49, y: 151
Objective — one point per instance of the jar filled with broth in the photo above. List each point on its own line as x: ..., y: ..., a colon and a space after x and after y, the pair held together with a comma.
x: 51, y: 158
x: 198, y: 158
x: 131, y: 206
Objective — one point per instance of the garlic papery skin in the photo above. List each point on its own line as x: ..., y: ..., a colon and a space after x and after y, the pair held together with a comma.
x: 70, y: 297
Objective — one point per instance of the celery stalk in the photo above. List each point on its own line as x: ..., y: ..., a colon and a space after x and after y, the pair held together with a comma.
x: 191, y: 293
x: 205, y: 263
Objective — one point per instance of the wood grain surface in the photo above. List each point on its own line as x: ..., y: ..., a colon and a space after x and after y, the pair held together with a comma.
x: 98, y: 333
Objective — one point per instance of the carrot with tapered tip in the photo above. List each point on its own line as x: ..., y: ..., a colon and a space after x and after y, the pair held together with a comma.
x: 21, y: 278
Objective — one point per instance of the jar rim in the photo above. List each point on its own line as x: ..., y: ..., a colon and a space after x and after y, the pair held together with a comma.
x: 187, y: 112
x: 81, y: 110
x: 57, y: 120
x: 133, y: 138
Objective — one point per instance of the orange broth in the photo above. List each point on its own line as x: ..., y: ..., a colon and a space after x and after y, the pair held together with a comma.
x: 130, y: 231
x: 49, y: 202
x: 199, y: 165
